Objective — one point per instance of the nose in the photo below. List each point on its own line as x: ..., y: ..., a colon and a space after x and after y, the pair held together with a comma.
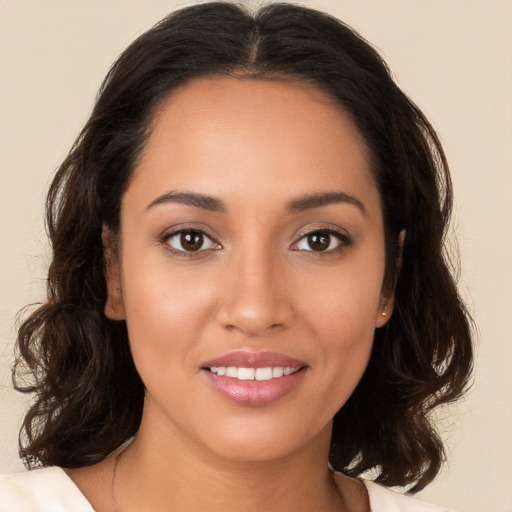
x: 255, y: 296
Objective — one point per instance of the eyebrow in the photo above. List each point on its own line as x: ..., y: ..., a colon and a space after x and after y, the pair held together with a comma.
x: 297, y: 205
x: 320, y: 199
x: 190, y: 198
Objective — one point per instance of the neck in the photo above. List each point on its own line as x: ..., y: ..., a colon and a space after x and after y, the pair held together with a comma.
x: 166, y: 472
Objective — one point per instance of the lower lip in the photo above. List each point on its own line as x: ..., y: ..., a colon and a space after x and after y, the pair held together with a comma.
x: 255, y: 393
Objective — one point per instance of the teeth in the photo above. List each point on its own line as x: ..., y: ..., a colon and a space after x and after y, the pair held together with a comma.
x: 263, y: 374
x: 231, y: 371
x: 267, y: 373
x: 245, y: 374
x: 277, y: 372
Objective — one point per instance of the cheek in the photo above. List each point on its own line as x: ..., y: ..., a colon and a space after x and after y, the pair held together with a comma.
x: 345, y: 299
x: 346, y: 332
x: 165, y: 311
x: 341, y: 310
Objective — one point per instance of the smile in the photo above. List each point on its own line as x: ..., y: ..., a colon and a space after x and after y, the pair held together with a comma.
x: 254, y: 379
x: 267, y: 373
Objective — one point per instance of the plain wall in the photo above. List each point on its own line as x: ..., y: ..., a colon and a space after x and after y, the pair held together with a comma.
x: 453, y: 57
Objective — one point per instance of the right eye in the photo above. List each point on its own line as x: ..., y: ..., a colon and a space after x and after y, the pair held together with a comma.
x: 319, y: 241
x: 189, y: 241
x: 323, y: 241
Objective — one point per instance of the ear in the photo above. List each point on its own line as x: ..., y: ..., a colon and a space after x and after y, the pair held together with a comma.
x: 387, y: 298
x: 114, y: 307
x: 385, y: 309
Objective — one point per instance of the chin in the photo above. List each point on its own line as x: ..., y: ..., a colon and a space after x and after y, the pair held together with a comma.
x: 260, y: 442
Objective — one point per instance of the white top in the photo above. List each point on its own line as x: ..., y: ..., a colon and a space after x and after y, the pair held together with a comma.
x: 51, y: 490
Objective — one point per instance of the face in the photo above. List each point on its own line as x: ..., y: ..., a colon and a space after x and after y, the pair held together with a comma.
x: 251, y: 266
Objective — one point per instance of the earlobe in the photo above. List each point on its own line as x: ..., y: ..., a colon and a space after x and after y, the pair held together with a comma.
x: 384, y: 312
x: 387, y: 299
x: 114, y: 306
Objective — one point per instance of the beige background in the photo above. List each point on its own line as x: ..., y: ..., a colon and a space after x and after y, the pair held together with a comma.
x: 453, y: 57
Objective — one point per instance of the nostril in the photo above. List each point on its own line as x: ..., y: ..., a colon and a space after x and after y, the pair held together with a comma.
x: 254, y: 312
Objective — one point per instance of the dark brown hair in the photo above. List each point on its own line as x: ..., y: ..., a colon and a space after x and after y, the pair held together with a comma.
x: 89, y: 397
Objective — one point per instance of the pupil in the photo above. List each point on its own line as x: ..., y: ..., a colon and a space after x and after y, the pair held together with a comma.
x: 319, y: 242
x: 191, y: 240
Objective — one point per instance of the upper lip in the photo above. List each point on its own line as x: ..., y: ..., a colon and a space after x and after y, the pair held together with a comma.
x: 242, y: 359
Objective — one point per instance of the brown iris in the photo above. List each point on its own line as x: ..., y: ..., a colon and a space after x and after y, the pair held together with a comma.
x: 319, y: 241
x: 191, y: 240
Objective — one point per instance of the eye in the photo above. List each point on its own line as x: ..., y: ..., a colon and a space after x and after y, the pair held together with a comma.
x: 189, y: 241
x: 321, y: 240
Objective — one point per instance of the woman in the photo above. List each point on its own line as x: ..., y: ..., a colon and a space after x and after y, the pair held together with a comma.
x: 248, y: 303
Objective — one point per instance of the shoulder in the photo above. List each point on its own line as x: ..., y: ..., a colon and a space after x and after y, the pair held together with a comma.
x: 41, y: 490
x: 383, y: 499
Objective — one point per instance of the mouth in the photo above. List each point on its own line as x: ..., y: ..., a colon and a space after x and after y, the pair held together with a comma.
x: 254, y: 379
x: 260, y: 374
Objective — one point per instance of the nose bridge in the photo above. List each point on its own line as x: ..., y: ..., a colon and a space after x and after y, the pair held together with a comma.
x: 254, y: 298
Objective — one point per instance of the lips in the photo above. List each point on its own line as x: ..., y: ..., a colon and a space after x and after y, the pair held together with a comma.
x: 254, y: 379
x: 254, y: 360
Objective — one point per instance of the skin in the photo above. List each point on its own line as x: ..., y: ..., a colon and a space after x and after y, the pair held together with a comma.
x: 257, y: 286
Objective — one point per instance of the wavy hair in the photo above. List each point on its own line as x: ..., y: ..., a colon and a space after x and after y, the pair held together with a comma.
x: 88, y: 395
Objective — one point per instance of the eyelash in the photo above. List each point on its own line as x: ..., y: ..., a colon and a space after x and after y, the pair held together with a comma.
x: 164, y: 240
x: 343, y: 239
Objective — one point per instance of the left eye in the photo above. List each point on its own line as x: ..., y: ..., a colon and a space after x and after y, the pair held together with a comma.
x: 190, y: 240
x: 319, y: 241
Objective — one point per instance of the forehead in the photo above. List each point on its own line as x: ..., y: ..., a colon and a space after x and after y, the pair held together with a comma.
x: 230, y: 135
